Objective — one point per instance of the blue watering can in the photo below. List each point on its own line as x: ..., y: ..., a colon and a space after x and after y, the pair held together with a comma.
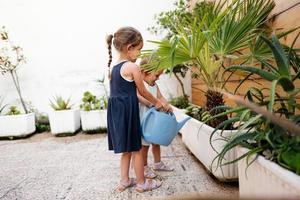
x: 160, y: 127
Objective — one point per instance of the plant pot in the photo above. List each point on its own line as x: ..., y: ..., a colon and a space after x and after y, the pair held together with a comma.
x: 93, y: 120
x: 265, y: 179
x: 17, y: 125
x: 64, y: 122
x: 195, y: 135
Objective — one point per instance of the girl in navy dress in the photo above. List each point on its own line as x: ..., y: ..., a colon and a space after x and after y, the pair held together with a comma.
x: 124, y: 131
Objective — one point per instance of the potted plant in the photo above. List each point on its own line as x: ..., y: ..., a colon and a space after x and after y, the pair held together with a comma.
x: 206, y: 40
x: 63, y: 120
x: 15, y: 125
x: 11, y: 57
x: 93, y: 113
x: 269, y: 155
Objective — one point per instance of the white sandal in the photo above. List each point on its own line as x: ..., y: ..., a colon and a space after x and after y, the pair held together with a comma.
x: 123, y: 185
x: 149, y: 173
x: 148, y: 185
x: 162, y: 167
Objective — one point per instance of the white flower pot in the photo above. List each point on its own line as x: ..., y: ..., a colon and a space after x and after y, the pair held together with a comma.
x: 195, y: 135
x: 265, y: 179
x: 17, y: 125
x: 93, y: 120
x: 64, y: 121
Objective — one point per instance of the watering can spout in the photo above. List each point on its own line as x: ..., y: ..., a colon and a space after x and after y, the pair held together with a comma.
x: 180, y: 124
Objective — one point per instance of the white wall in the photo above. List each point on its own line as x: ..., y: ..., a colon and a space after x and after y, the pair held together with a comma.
x: 64, y: 42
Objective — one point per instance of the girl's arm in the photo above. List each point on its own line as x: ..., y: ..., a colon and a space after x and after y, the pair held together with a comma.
x: 167, y: 106
x: 135, y: 71
x: 143, y: 100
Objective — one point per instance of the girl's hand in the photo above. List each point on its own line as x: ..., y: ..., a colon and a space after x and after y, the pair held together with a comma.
x: 169, y: 108
x: 159, y: 106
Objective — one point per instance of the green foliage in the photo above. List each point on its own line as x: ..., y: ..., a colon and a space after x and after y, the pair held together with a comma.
x: 13, y: 110
x: 60, y: 103
x: 40, y: 128
x: 41, y: 122
x: 256, y: 129
x: 91, y: 102
x: 195, y: 111
x: 181, y: 102
x: 164, y: 21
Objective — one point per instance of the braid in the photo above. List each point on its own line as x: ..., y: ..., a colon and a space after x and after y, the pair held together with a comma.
x: 109, y: 41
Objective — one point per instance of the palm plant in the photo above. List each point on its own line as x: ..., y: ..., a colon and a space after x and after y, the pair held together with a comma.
x: 207, y: 40
x: 10, y: 58
x: 262, y: 129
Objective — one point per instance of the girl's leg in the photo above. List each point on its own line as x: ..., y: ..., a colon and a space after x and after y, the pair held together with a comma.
x: 145, y: 150
x: 142, y: 183
x: 148, y: 172
x: 158, y: 164
x: 156, y: 153
x: 125, y: 163
x: 138, y: 164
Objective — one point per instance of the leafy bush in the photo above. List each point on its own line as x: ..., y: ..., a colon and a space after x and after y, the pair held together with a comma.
x: 41, y: 122
x: 181, y: 102
x: 91, y: 102
x: 261, y: 116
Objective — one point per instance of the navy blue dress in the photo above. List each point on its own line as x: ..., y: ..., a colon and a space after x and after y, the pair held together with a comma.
x: 123, y: 121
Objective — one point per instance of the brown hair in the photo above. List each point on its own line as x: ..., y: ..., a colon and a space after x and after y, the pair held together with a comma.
x: 123, y: 37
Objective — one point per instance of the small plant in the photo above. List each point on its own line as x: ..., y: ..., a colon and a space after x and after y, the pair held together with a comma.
x: 60, y: 103
x: 181, y: 102
x: 195, y: 111
x: 91, y: 102
x: 13, y: 110
x: 42, y: 122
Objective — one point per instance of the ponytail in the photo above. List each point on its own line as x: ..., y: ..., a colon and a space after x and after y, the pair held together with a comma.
x: 109, y: 42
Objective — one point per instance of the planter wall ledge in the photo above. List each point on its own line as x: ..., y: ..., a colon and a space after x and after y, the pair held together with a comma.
x: 195, y: 135
x: 266, y: 180
x: 17, y: 125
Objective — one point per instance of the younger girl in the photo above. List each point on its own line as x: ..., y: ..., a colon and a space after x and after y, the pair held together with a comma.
x: 124, y: 131
x: 150, y: 79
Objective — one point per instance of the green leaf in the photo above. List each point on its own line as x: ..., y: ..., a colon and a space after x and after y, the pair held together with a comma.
x: 266, y: 75
x: 279, y: 55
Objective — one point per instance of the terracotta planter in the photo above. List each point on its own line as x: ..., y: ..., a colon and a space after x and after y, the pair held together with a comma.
x: 266, y: 180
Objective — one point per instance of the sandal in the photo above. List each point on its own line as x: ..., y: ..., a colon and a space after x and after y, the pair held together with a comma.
x: 161, y: 167
x: 148, y: 185
x: 123, y: 185
x: 149, y: 173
